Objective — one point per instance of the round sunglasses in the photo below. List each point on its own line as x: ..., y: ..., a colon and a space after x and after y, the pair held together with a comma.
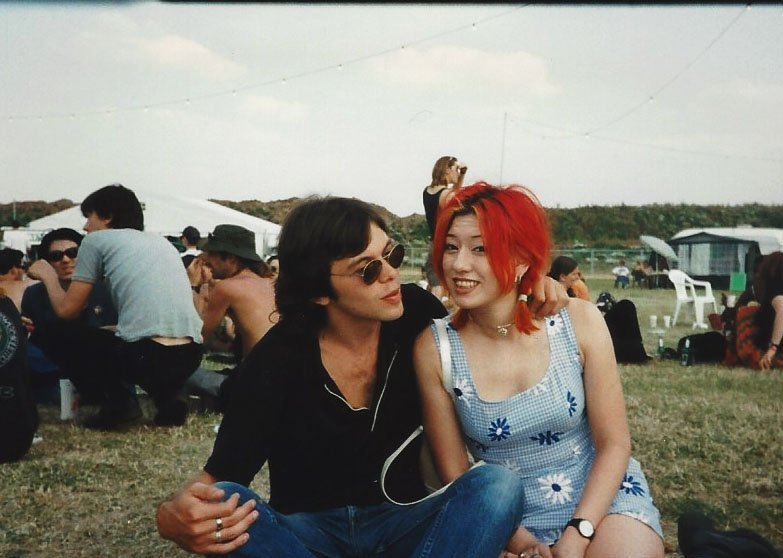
x: 372, y: 270
x: 57, y: 255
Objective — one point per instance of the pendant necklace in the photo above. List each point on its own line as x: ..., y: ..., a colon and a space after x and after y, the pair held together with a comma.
x: 502, y: 330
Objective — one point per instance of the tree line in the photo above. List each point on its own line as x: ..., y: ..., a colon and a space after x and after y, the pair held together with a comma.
x: 592, y: 226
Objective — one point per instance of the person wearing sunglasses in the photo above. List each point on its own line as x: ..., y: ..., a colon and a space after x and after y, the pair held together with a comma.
x: 49, y: 353
x: 328, y: 400
x: 157, y: 342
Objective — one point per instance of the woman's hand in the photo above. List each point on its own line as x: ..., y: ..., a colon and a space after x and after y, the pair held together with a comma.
x: 523, y: 544
x: 538, y: 550
x: 570, y: 545
x: 766, y: 361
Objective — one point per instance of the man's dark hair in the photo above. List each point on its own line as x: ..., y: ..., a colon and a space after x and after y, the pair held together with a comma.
x: 191, y: 234
x: 57, y: 234
x: 118, y: 203
x: 9, y: 259
x: 315, y: 233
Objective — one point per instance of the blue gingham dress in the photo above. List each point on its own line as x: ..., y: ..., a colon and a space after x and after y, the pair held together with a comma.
x: 543, y: 435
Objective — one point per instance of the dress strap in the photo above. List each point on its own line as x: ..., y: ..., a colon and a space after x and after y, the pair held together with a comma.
x: 444, y: 346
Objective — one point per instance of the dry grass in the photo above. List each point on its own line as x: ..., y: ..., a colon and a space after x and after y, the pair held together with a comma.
x: 706, y: 436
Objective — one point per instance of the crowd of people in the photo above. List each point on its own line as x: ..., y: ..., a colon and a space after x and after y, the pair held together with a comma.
x: 344, y: 375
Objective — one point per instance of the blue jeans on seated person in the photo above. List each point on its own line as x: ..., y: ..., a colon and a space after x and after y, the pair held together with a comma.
x: 622, y: 281
x: 473, y: 518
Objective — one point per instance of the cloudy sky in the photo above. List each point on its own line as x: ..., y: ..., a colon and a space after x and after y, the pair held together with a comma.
x: 584, y: 104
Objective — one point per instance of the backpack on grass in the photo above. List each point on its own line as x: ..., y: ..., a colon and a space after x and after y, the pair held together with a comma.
x: 18, y: 414
x: 706, y: 347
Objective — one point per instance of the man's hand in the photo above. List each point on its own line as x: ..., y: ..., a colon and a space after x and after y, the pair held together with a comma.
x: 40, y: 269
x: 547, y: 297
x: 28, y: 324
x: 199, y: 522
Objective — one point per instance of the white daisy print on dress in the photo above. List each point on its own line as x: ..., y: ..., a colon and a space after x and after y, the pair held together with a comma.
x: 541, y: 387
x: 556, y: 488
x: 554, y: 323
x: 464, y: 391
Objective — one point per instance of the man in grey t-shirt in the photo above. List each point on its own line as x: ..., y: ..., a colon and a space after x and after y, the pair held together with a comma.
x: 157, y: 344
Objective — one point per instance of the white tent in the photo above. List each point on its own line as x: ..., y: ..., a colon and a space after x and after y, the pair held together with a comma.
x: 169, y: 215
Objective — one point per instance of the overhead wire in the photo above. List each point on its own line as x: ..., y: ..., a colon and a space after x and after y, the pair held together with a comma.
x: 285, y: 79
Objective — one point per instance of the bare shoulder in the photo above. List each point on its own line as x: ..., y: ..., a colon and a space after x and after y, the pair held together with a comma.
x: 584, y: 315
x: 425, y: 352
x: 242, y: 284
x: 583, y: 309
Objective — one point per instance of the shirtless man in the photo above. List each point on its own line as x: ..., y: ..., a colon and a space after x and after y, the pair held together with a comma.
x: 12, y: 279
x: 244, y: 292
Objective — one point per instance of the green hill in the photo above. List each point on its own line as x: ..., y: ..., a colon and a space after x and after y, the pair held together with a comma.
x: 591, y: 226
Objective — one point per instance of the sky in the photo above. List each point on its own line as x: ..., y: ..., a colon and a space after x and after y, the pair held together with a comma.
x: 586, y: 105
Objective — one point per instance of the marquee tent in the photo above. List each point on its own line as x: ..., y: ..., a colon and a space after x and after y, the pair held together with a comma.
x: 168, y: 215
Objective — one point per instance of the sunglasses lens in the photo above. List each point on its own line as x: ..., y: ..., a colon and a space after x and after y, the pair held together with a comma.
x: 57, y: 255
x: 396, y: 255
x: 371, y: 272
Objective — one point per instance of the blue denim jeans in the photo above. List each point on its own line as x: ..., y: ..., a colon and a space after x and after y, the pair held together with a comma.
x: 473, y: 518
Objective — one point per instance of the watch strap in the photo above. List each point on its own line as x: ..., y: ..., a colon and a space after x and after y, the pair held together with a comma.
x: 576, y: 524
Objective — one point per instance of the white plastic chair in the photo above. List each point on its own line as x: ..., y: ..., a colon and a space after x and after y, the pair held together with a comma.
x: 686, y: 289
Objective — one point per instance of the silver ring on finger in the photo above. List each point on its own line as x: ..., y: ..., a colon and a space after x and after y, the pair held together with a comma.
x: 522, y: 555
x: 218, y: 523
x: 218, y: 536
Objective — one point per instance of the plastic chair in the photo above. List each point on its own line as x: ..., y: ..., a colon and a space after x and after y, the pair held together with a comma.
x: 686, y: 289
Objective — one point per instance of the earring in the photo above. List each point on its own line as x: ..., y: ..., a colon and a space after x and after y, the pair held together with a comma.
x: 522, y: 297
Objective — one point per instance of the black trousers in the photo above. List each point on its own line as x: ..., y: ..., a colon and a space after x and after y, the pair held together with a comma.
x: 104, y: 366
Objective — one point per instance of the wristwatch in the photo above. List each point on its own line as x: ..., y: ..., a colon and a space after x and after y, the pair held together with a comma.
x: 583, y: 526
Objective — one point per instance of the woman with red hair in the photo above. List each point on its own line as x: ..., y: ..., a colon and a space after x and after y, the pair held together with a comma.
x: 516, y: 390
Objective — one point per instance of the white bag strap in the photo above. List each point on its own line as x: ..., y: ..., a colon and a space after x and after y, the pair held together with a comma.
x: 445, y: 356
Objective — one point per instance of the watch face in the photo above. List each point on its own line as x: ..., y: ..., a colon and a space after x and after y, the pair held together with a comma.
x: 586, y: 528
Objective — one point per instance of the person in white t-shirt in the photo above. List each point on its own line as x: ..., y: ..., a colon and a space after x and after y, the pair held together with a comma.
x: 621, y: 273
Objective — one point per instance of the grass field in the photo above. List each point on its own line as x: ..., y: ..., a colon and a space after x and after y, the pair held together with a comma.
x: 707, y: 437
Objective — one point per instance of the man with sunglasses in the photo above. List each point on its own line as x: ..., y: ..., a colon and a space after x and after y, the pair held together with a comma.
x: 50, y: 352
x: 328, y: 399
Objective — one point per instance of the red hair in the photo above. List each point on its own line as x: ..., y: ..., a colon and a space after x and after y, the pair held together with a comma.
x: 514, y: 229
